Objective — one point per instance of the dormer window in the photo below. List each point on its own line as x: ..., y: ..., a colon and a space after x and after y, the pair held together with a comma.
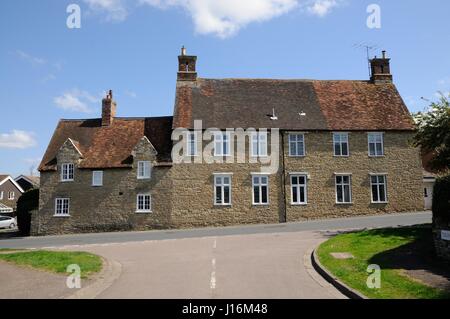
x: 67, y: 172
x: 144, y: 170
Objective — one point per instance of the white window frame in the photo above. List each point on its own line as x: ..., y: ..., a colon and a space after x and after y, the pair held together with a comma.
x: 374, y: 135
x: 258, y: 144
x: 378, y: 184
x: 99, y: 175
x: 191, y: 144
x: 343, y: 192
x: 144, y: 170
x: 222, y: 142
x: 299, y: 186
x: 1, y: 195
x: 341, y: 141
x: 260, y: 185
x: 297, y: 141
x: 143, y: 210
x: 11, y: 195
x: 66, y: 169
x: 222, y: 185
x: 63, y: 202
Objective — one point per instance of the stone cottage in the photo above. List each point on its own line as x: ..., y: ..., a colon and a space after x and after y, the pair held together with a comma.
x: 334, y: 148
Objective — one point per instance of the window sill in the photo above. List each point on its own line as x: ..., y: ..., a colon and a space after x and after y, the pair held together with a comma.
x: 61, y: 216
x: 144, y: 178
x: 349, y: 203
x: 144, y: 212
x: 377, y: 156
x: 299, y: 204
x: 341, y: 156
x: 260, y: 205
x: 380, y: 203
x: 97, y: 186
x: 67, y: 181
x: 222, y: 205
x: 297, y: 156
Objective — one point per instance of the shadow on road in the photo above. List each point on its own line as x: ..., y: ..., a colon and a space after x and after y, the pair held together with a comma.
x: 7, y: 234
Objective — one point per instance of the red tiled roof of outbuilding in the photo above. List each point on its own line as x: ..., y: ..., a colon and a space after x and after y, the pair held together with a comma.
x: 109, y: 146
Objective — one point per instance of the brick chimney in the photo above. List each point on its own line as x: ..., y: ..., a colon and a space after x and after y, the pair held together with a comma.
x: 186, y: 66
x: 108, y: 109
x: 381, y: 69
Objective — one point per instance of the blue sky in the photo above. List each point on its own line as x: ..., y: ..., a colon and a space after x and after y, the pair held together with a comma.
x: 49, y: 71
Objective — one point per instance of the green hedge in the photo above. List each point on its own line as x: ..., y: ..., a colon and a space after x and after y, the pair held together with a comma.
x: 25, y: 204
x: 441, y: 202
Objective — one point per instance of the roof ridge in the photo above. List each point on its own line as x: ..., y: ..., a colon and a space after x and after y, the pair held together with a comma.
x: 282, y: 80
x: 120, y: 118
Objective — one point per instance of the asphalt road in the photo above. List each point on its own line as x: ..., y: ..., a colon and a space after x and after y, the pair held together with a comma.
x: 257, y: 266
x: 122, y: 237
x: 264, y: 261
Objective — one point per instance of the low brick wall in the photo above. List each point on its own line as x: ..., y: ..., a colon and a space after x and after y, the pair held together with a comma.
x: 442, y: 246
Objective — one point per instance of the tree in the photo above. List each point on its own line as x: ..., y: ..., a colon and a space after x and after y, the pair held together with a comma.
x: 25, y: 204
x: 433, y: 133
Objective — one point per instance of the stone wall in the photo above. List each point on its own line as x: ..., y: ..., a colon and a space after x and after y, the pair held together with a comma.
x: 401, y: 163
x: 110, y: 207
x: 183, y: 195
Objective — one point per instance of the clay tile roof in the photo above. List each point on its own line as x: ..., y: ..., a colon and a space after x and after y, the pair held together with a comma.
x: 328, y: 105
x: 111, y: 146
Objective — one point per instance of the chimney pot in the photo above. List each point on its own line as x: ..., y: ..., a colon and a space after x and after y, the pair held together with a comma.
x: 186, y: 66
x: 381, y: 69
x: 108, y: 109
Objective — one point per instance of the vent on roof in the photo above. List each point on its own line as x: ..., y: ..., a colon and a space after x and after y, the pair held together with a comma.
x: 273, y: 117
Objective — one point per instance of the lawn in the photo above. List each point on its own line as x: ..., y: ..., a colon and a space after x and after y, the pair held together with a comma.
x: 55, y: 261
x: 394, y: 250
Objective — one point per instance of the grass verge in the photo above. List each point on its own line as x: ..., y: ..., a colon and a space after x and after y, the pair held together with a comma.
x: 56, y: 261
x: 389, y: 248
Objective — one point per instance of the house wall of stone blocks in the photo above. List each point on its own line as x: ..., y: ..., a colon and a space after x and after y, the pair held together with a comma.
x: 183, y: 194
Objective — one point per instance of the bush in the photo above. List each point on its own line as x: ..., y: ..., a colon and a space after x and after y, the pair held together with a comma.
x: 441, y: 202
x: 25, y: 204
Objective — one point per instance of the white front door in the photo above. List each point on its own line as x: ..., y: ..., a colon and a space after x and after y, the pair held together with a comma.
x: 428, y: 195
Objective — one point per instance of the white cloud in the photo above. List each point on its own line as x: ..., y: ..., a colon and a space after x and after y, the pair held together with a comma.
x: 131, y: 94
x: 17, y: 139
x: 29, y: 58
x: 225, y: 18
x: 115, y: 9
x: 222, y: 18
x: 321, y: 8
x: 76, y: 100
